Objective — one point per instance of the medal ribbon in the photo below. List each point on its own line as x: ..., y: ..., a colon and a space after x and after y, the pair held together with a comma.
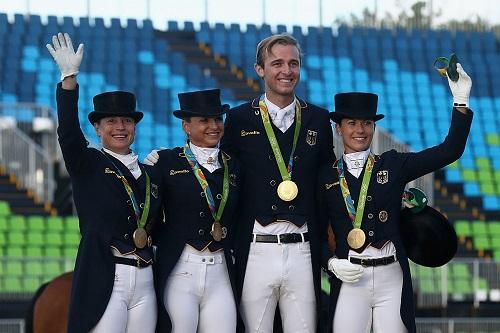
x: 204, y: 184
x: 355, y: 215
x: 286, y: 172
x: 140, y: 218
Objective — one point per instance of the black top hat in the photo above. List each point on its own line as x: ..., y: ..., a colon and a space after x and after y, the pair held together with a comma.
x: 113, y: 104
x: 429, y: 239
x: 355, y: 105
x: 202, y: 103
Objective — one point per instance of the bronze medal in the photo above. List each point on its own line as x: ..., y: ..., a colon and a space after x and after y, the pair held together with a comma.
x: 356, y: 238
x: 287, y: 190
x: 217, y: 232
x: 140, y: 238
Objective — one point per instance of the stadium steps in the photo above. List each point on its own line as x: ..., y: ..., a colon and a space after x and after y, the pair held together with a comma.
x: 227, y: 76
x: 22, y: 201
x: 450, y: 199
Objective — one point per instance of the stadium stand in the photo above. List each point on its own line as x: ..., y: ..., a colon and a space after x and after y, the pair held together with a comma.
x: 156, y: 65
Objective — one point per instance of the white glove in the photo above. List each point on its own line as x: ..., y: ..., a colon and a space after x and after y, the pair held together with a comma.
x: 64, y: 54
x: 153, y: 157
x: 461, y: 88
x: 345, y: 270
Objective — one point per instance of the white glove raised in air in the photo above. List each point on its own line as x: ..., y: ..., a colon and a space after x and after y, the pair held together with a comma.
x: 344, y: 270
x: 153, y: 157
x: 64, y: 54
x: 461, y: 89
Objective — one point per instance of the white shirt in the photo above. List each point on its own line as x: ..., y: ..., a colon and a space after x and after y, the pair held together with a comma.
x: 129, y: 160
x: 207, y: 157
x: 281, y: 118
x: 356, y: 161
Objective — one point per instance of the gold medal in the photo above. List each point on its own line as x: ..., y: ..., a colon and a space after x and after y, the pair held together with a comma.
x: 217, y: 232
x: 356, y: 238
x: 140, y: 238
x: 287, y: 190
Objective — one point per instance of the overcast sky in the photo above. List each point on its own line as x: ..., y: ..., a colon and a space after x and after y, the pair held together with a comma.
x: 288, y: 12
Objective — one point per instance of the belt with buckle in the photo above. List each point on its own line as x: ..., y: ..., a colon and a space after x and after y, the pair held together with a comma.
x: 373, y: 262
x: 132, y: 262
x: 281, y: 238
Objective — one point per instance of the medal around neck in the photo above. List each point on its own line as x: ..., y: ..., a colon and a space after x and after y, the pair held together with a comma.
x: 287, y: 190
x: 356, y: 238
x: 217, y: 232
x: 140, y: 238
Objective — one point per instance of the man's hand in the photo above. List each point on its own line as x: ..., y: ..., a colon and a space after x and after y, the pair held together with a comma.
x: 344, y: 270
x: 461, y: 88
x: 64, y: 55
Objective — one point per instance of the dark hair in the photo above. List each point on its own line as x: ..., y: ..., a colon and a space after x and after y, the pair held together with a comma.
x: 265, y: 46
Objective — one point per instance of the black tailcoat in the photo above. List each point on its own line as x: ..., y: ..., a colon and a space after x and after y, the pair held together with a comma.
x: 104, y: 211
x: 391, y: 172
x: 245, y: 137
x: 188, y: 217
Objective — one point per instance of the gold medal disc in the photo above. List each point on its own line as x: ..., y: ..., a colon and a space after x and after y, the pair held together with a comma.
x: 140, y: 238
x: 356, y: 238
x: 217, y: 231
x: 287, y: 190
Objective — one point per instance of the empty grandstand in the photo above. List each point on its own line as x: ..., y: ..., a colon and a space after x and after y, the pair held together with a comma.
x: 39, y: 235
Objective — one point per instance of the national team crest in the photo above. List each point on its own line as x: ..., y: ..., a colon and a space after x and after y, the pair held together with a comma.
x: 382, y: 176
x: 232, y: 179
x: 311, y: 137
x: 154, y: 191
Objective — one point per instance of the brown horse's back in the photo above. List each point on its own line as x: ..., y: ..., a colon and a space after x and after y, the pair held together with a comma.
x: 50, y: 313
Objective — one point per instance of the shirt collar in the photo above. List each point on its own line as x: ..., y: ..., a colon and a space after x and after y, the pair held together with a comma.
x: 205, y: 155
x: 356, y: 160
x: 273, y: 108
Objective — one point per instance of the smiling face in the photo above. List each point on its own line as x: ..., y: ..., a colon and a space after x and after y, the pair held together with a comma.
x: 357, y: 134
x: 204, y: 132
x: 281, y: 73
x: 116, y: 133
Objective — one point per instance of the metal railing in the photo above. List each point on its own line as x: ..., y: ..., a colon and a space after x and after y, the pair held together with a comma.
x: 384, y: 141
x: 479, y: 282
x: 455, y: 325
x: 26, y: 151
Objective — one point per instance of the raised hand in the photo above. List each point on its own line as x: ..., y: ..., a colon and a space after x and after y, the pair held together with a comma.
x: 64, y: 54
x: 461, y: 88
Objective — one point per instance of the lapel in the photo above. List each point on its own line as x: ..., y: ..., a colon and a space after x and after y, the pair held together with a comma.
x: 111, y: 175
x: 306, y: 116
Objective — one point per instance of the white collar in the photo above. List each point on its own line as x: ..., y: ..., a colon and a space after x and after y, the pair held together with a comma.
x: 356, y: 161
x: 273, y: 108
x: 130, y: 160
x: 206, y: 156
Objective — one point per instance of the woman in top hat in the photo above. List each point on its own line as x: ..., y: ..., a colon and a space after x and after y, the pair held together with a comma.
x: 194, y: 257
x: 117, y: 201
x: 362, y: 192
